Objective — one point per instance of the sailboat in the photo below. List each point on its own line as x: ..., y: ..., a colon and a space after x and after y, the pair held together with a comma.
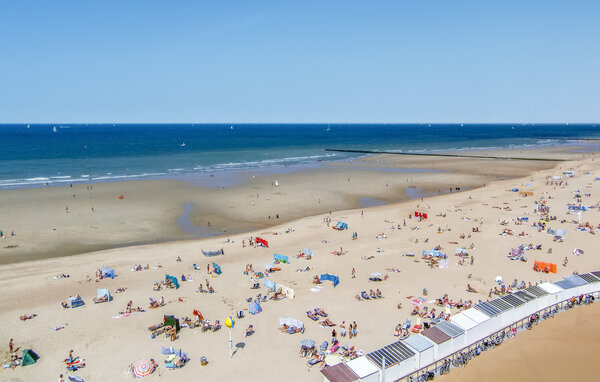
x: 28, y: 126
x: 182, y: 144
x: 54, y: 129
x: 231, y: 128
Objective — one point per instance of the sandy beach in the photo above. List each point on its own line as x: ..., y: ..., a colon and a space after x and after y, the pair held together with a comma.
x: 82, y: 218
x: 109, y: 342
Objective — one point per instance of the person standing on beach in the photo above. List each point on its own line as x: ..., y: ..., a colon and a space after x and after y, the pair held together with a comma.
x: 11, y: 346
x: 353, y: 273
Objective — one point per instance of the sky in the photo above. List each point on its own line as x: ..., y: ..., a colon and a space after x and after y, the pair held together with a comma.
x: 307, y: 61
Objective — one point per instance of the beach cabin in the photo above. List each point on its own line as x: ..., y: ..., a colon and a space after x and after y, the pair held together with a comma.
x: 519, y: 306
x: 339, y: 373
x: 492, y: 312
x: 395, y: 360
x: 484, y: 325
x: 530, y: 307
x: 364, y: 369
x: 456, y: 333
x: 568, y: 289
x: 472, y: 332
x: 506, y: 318
x: 422, y: 347
x: 554, y: 293
x: 581, y: 284
x: 442, y: 342
x: 592, y: 280
x: 542, y: 298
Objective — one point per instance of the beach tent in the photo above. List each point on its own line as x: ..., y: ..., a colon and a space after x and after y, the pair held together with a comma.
x: 172, y: 321
x: 394, y: 360
x: 101, y: 292
x: 340, y: 226
x: 308, y: 252
x: 291, y: 322
x: 216, y: 268
x: 108, y: 272
x: 423, y: 347
x: 213, y: 253
x: 255, y: 307
x: 77, y: 302
x: 173, y: 280
x: 434, y: 253
x: 281, y: 258
x: 29, y: 357
x: 269, y: 284
x: 334, y: 279
x: 364, y: 369
x: 262, y: 242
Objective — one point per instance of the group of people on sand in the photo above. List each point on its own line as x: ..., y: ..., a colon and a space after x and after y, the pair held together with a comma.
x: 130, y: 309
x: 372, y: 295
x: 208, y: 290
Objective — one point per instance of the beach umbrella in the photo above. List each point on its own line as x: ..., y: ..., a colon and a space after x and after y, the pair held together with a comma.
x: 307, y: 342
x: 333, y: 359
x: 143, y: 368
x: 376, y: 274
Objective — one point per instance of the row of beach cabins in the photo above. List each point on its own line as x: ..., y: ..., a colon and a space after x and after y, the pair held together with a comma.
x: 409, y: 358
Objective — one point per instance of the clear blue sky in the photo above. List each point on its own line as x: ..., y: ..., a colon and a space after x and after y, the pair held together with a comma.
x: 299, y: 61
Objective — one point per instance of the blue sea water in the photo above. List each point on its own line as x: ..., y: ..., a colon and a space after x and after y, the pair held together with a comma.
x: 33, y: 155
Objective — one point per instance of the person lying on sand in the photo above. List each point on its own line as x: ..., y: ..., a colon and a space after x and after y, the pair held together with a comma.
x: 25, y: 317
x: 470, y: 289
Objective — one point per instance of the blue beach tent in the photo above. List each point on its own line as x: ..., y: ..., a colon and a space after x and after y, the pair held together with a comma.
x: 108, y: 272
x: 334, y: 279
x: 173, y: 280
x: 255, y: 307
x: 216, y: 268
x: 281, y: 258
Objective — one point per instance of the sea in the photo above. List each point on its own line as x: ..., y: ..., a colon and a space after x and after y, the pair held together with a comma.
x: 37, y: 155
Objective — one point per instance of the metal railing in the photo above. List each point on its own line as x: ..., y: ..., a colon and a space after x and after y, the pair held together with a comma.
x: 433, y: 366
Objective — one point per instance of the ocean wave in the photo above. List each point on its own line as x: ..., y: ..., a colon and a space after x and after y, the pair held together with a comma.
x: 61, y: 177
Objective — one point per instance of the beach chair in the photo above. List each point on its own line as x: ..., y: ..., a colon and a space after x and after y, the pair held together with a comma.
x: 324, y: 345
x: 365, y: 295
x: 406, y: 324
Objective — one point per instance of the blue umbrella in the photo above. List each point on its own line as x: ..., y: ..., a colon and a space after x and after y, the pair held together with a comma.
x: 307, y: 342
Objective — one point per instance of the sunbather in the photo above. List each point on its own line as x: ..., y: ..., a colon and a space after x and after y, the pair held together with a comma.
x: 327, y: 322
x: 378, y: 293
x: 249, y: 331
x: 372, y: 294
x: 470, y: 289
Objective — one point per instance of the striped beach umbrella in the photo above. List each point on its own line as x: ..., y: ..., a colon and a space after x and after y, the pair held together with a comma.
x: 143, y: 368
